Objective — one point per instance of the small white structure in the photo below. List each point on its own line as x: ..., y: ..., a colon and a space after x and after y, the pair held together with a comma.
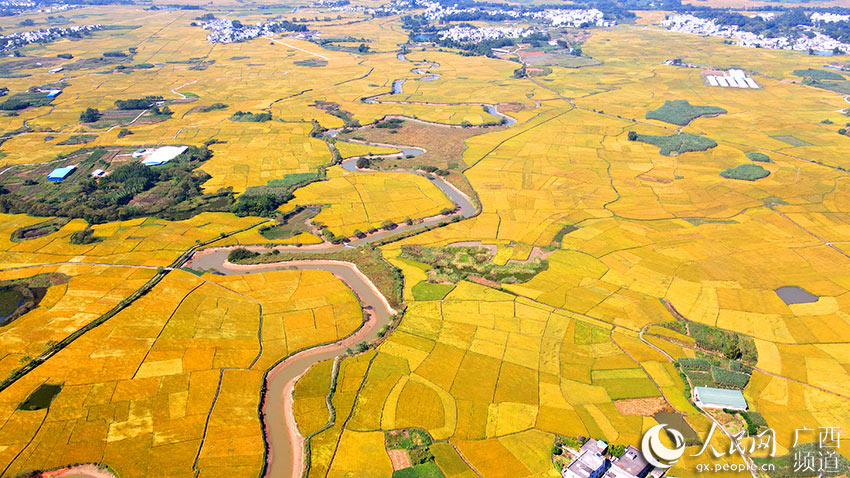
x: 734, y: 78
x: 140, y: 152
x: 163, y: 155
x: 719, y: 398
x: 98, y: 173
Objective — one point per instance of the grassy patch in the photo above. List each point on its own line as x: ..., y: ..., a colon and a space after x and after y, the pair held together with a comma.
x: 453, y: 264
x: 416, y: 442
x: 78, y: 139
x: 35, y: 231
x: 292, y: 225
x: 559, y: 236
x: 41, y: 397
x: 678, y: 143
x: 818, y: 74
x: 745, y: 172
x: 429, y: 291
x: 294, y: 179
x: 425, y: 470
x: 698, y: 221
x: 759, y: 157
x: 312, y: 62
x: 31, y: 99
x: 680, y: 112
x: 212, y: 107
x: 788, y: 139
x: 334, y: 110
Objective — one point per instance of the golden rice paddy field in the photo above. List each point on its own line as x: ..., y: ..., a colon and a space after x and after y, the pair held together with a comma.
x: 170, y: 385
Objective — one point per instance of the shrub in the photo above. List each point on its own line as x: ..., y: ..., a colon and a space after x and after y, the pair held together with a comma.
x: 247, y: 116
x: 745, y: 172
x: 759, y: 157
x: 729, y: 379
x: 241, y: 254
x: 90, y: 115
x: 137, y: 103
x: 694, y: 364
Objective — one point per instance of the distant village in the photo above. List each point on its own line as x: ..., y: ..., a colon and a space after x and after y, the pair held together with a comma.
x: 436, y: 12
x: 13, y: 7
x: 222, y: 30
x: 478, y: 34
x: 19, y: 39
x: 812, y: 41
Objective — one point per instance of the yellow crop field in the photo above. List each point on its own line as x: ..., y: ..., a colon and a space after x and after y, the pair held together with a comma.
x: 620, y: 235
x: 161, y: 368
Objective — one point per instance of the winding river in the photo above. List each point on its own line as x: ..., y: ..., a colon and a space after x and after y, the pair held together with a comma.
x: 285, y: 445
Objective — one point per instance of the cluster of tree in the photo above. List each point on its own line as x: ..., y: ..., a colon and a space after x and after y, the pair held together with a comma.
x: 241, y: 254
x: 251, y: 117
x: 86, y: 236
x: 20, y: 101
x: 212, y: 107
x: 166, y: 189
x: 264, y: 203
x: 286, y: 26
x: 137, y: 103
x: 482, y: 48
x: 90, y: 115
x: 786, y: 23
x: 732, y: 345
x: 417, y: 24
x: 392, y: 123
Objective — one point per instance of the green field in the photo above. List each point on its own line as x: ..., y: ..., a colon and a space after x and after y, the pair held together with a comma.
x: 745, y: 172
x: 681, y: 112
x: 678, y: 143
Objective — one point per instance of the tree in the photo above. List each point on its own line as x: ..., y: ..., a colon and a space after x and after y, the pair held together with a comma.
x: 363, y: 48
x: 731, y: 349
x: 616, y: 450
x: 90, y: 115
x: 632, y: 136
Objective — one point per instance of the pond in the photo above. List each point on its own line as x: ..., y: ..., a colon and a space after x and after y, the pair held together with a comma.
x: 10, y: 300
x: 791, y: 294
x: 41, y: 398
x: 676, y: 422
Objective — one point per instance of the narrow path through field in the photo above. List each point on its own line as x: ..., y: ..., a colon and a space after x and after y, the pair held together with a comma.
x: 299, y: 49
x: 181, y: 95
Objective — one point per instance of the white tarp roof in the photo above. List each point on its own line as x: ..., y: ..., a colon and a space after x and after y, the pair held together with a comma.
x: 163, y: 155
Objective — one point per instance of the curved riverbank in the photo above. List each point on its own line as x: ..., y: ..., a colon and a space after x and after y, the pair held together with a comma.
x: 284, y: 443
x: 285, y: 446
